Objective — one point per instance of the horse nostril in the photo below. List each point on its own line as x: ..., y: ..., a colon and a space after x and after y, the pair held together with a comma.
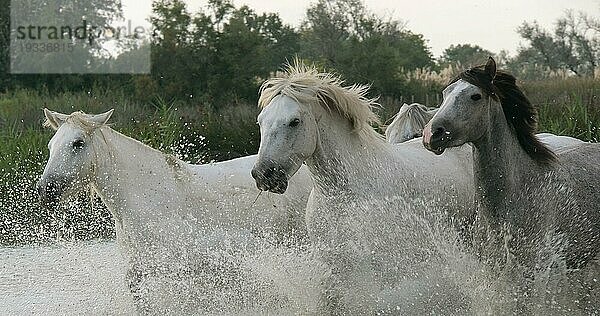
x: 439, y: 132
x: 261, y: 173
x: 255, y: 174
x: 270, y: 177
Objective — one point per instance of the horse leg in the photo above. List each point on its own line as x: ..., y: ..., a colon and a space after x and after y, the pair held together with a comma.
x: 350, y: 289
x: 329, y: 302
x: 135, y: 279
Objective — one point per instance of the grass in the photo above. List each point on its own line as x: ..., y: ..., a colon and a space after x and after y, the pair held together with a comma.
x: 569, y: 106
x: 194, y: 133
x: 577, y: 120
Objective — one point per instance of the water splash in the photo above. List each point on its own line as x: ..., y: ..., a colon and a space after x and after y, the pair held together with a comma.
x: 229, y: 272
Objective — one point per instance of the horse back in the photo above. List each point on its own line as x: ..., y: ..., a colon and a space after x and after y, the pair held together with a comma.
x: 580, y: 165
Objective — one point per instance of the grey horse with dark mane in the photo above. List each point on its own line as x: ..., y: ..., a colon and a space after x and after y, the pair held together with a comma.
x: 535, y: 204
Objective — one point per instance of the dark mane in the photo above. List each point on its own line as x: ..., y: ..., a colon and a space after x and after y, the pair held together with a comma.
x: 519, y: 112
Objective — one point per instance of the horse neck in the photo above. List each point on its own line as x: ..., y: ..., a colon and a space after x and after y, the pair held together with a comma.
x: 122, y: 166
x: 341, y: 154
x: 500, y: 166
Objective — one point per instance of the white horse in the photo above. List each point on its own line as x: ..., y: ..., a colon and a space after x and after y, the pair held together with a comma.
x: 408, y: 123
x: 535, y: 203
x: 367, y: 192
x: 169, y: 214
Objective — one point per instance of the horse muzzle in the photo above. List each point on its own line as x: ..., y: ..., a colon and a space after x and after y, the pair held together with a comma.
x: 270, y: 178
x: 436, y: 138
x: 51, y: 190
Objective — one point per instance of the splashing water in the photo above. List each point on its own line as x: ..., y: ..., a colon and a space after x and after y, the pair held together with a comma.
x: 227, y: 272
x: 62, y: 279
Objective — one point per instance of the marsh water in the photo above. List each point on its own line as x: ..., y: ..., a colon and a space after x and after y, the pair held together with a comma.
x: 88, y: 278
x: 74, y: 278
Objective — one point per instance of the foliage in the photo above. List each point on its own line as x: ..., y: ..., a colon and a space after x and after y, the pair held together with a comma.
x: 4, y: 43
x: 567, y: 106
x: 102, y: 12
x: 465, y: 55
x: 224, y: 53
x: 220, y: 54
x: 573, y: 45
x: 578, y: 119
x: 364, y: 48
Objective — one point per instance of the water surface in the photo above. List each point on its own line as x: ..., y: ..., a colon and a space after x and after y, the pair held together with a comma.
x: 65, y: 278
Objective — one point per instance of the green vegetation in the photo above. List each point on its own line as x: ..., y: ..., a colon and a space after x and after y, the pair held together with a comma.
x: 466, y: 55
x: 569, y: 106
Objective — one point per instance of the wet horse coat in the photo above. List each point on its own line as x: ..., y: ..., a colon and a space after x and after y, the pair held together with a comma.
x: 170, y: 216
x: 367, y: 192
x: 523, y: 185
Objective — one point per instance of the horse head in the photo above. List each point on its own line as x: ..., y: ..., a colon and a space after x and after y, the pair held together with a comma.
x: 70, y: 165
x: 288, y: 137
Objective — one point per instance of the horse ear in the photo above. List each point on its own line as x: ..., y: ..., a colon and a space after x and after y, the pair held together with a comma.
x: 101, y: 119
x: 54, y: 119
x: 490, y: 67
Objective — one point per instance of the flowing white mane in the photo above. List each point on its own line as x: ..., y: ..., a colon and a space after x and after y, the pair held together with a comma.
x: 305, y: 84
x: 78, y: 118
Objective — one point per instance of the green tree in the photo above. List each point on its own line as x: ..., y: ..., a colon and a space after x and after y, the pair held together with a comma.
x: 5, y: 79
x: 100, y: 12
x: 573, y: 45
x: 250, y: 48
x: 172, y: 66
x: 220, y: 54
x: 363, y: 47
x: 464, y: 55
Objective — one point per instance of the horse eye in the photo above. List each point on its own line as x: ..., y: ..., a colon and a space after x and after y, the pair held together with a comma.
x: 294, y: 122
x: 476, y: 97
x: 78, y: 144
